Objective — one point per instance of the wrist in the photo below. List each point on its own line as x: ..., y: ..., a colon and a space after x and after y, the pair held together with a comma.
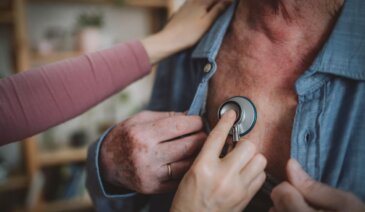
x: 173, y: 40
x: 161, y: 45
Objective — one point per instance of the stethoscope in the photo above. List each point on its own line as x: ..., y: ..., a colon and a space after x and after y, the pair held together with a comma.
x: 246, y: 115
x: 245, y: 121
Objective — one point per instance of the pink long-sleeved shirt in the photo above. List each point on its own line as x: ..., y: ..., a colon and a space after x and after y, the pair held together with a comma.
x: 41, y: 98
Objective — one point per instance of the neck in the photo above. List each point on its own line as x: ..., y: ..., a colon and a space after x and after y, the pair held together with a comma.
x: 274, y: 17
x: 280, y: 38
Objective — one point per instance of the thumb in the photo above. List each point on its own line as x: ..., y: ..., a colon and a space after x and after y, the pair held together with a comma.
x: 218, y: 8
x: 315, y: 193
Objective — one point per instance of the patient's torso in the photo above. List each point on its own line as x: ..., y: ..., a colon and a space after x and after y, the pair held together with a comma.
x: 276, y: 105
x: 251, y: 65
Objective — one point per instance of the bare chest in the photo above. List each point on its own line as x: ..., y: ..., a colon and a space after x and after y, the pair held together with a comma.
x: 273, y: 96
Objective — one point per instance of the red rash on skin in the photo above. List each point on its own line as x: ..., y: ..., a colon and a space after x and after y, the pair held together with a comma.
x: 111, y: 149
x: 261, y: 57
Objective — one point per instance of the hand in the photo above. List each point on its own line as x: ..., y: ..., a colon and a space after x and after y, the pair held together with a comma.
x: 221, y: 184
x: 193, y: 19
x: 136, y: 152
x: 184, y: 29
x: 302, y: 193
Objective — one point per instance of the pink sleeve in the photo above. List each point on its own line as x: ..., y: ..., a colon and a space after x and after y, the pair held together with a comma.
x: 41, y: 98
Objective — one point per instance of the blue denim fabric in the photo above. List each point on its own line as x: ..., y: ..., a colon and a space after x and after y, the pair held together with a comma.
x: 328, y: 136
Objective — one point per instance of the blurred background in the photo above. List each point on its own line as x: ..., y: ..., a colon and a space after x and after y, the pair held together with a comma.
x: 47, y: 172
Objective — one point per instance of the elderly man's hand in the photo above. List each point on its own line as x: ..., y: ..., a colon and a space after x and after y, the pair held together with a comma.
x: 137, y: 152
x: 302, y: 193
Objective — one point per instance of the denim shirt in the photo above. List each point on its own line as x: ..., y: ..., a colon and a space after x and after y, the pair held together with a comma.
x: 328, y: 135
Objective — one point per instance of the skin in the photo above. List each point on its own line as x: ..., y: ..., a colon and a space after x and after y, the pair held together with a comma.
x: 136, y: 152
x: 262, y: 55
x: 269, y: 45
x: 185, y: 28
x: 221, y: 184
x: 302, y: 193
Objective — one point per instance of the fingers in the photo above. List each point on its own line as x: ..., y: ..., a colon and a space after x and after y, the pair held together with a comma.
x: 286, y: 198
x: 256, y: 184
x: 217, y: 137
x: 320, y: 195
x: 315, y: 193
x: 241, y: 154
x: 148, y: 116
x: 255, y: 167
x: 178, y: 170
x: 182, y: 148
x: 218, y: 8
x: 173, y: 127
x: 252, y: 188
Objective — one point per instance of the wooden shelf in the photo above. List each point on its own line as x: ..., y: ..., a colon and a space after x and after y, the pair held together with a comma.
x: 40, y: 59
x: 63, y: 156
x: 147, y: 3
x: 14, y: 183
x: 77, y: 204
x: 75, y: 1
x: 6, y: 17
x: 139, y: 3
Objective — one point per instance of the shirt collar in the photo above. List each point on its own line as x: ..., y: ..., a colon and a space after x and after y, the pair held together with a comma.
x: 343, y: 53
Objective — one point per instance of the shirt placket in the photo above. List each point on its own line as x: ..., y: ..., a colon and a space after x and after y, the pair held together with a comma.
x: 208, y: 67
x: 305, y: 142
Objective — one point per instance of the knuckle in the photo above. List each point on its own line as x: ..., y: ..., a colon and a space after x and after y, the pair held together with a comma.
x: 309, y: 186
x: 281, y: 197
x: 277, y: 192
x: 201, y: 170
x: 261, y: 160
x: 171, y: 114
x: 179, y: 126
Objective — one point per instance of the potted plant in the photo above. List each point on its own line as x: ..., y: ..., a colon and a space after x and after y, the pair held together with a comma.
x: 89, y: 25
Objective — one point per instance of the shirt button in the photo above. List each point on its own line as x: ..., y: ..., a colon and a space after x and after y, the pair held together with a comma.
x: 207, y: 67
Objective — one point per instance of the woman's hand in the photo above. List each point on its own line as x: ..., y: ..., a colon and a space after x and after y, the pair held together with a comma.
x: 184, y: 29
x: 221, y: 184
x: 302, y: 193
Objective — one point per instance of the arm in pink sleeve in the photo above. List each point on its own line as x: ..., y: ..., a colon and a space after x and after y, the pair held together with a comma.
x: 41, y: 98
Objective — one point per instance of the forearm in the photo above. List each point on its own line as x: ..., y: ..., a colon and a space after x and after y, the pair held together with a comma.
x: 161, y: 45
x: 44, y: 97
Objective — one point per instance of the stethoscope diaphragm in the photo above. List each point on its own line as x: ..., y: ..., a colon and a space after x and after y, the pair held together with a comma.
x: 246, y: 115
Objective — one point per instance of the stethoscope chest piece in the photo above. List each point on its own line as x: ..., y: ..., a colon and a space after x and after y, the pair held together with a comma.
x: 246, y: 115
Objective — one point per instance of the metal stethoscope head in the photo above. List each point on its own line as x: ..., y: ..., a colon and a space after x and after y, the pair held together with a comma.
x: 246, y: 115
x: 245, y: 121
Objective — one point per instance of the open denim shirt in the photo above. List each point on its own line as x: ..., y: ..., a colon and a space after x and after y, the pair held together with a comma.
x: 328, y: 135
